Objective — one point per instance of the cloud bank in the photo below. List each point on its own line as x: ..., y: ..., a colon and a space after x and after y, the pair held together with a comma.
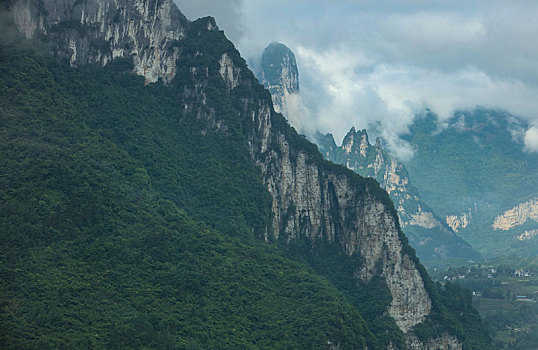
x: 370, y: 62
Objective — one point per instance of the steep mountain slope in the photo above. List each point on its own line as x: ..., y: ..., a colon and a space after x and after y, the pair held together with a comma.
x: 211, y: 144
x: 433, y: 239
x: 473, y: 171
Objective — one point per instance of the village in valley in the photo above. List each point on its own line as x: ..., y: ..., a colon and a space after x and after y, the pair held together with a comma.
x: 505, y: 292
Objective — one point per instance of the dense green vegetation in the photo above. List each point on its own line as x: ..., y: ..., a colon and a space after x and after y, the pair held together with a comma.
x: 476, y: 164
x: 367, y: 297
x: 505, y: 293
x: 95, y: 252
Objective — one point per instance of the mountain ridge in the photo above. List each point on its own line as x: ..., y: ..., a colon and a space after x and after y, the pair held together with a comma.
x: 429, y: 235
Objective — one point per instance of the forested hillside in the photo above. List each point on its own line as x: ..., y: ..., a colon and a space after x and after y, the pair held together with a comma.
x: 131, y: 221
x: 96, y: 252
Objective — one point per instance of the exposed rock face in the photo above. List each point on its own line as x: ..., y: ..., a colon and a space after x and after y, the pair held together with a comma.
x: 446, y: 342
x: 148, y: 32
x: 528, y: 235
x: 518, y: 215
x: 279, y: 74
x: 319, y: 203
x: 423, y: 219
x: 434, y: 240
x: 458, y: 222
x: 228, y: 72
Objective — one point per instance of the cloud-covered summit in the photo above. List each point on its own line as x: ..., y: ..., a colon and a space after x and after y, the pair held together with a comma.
x: 369, y: 62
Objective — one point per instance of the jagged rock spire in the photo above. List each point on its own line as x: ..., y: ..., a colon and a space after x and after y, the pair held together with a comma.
x: 279, y: 73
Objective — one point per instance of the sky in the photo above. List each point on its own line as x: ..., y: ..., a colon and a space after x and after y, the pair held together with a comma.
x: 376, y: 62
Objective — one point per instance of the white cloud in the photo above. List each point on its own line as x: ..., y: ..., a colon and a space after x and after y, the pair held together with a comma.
x: 531, y: 139
x: 366, y: 62
x: 346, y: 89
x: 298, y: 114
x: 431, y: 28
x: 340, y: 96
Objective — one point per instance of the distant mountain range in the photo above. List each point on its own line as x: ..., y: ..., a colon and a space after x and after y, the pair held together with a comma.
x: 475, y: 173
x: 433, y: 240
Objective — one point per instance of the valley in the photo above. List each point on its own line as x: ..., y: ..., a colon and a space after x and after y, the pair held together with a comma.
x: 505, y: 292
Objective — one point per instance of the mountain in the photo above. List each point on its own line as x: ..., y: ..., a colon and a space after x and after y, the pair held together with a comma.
x: 434, y: 241
x: 279, y: 74
x: 473, y: 170
x: 432, y: 238
x: 174, y: 208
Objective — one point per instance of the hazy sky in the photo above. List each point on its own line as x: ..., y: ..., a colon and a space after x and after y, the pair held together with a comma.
x: 374, y: 61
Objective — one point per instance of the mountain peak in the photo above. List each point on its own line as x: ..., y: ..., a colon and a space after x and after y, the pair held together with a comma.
x: 356, y: 142
x: 279, y: 73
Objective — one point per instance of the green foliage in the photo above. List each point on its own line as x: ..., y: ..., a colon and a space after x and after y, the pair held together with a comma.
x: 95, y: 251
x: 370, y: 298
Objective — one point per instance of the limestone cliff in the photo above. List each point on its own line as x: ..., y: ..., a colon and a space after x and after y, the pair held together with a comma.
x: 527, y: 235
x: 316, y: 202
x: 445, y: 342
x: 459, y: 222
x: 517, y: 216
x: 311, y: 197
x: 279, y: 74
x: 146, y: 31
x: 432, y: 239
